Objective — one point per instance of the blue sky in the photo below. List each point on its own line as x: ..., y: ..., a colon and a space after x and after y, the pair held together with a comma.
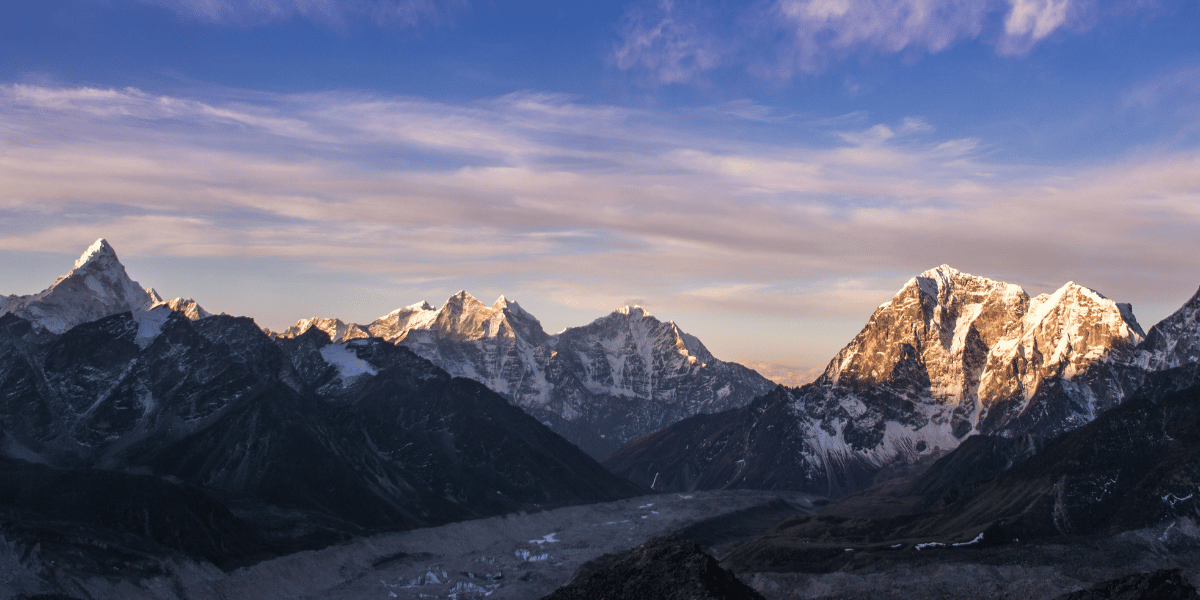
x: 764, y: 173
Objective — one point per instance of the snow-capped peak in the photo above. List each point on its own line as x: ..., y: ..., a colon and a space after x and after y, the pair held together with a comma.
x: 395, y: 325
x: 462, y: 297
x: 99, y: 252
x: 337, y: 330
x: 96, y: 287
x: 940, y: 284
x: 463, y: 317
x: 503, y: 303
x: 187, y: 306
x: 967, y: 334
x: 943, y: 271
x: 633, y: 310
x: 421, y: 306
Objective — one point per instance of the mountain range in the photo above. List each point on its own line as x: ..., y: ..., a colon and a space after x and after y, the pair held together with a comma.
x: 622, y: 376
x: 950, y: 355
x: 278, y: 444
x: 145, y: 438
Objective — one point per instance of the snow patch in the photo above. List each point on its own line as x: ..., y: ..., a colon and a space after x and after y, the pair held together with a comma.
x: 348, y: 364
x: 150, y: 323
x: 978, y: 538
x: 528, y: 556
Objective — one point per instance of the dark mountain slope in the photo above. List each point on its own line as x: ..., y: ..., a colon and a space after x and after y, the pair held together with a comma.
x: 1135, y: 466
x: 600, y: 385
x: 294, y: 438
x: 97, y: 511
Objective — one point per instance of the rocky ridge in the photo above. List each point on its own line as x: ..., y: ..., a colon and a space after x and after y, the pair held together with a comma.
x: 600, y: 385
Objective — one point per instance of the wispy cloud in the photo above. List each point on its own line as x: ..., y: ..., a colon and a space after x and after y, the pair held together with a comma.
x: 606, y: 202
x: 387, y: 13
x: 1177, y: 85
x: 779, y: 39
x: 669, y: 40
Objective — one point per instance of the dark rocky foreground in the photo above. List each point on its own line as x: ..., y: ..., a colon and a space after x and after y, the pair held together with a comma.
x: 666, y: 568
x: 1100, y: 510
x: 1166, y: 584
x: 1113, y: 498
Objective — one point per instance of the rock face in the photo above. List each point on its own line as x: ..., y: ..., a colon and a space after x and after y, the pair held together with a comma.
x: 665, y: 568
x: 340, y: 438
x: 976, y: 351
x: 950, y: 355
x: 601, y: 385
x: 1175, y: 341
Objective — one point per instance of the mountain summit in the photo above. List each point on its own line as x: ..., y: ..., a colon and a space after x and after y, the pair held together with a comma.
x: 975, y: 345
x: 96, y: 287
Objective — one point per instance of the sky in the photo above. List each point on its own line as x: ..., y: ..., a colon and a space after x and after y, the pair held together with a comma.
x: 763, y: 173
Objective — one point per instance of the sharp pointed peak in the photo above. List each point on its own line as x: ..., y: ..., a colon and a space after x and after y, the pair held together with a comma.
x: 462, y: 296
x: 100, y: 250
x: 1072, y: 288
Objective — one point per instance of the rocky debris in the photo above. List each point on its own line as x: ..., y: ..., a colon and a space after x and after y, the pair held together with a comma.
x: 1166, y: 584
x: 666, y: 568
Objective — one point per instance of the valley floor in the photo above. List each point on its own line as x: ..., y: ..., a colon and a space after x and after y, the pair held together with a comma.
x: 519, y: 556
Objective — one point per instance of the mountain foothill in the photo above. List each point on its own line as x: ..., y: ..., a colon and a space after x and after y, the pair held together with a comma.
x: 968, y: 422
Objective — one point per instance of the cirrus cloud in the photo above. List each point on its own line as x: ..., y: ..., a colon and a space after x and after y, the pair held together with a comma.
x: 672, y: 41
x: 542, y: 196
